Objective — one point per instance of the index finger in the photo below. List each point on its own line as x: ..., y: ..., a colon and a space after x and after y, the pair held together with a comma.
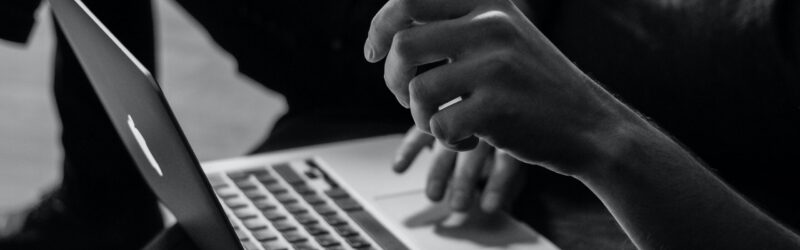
x: 414, y: 141
x: 398, y: 15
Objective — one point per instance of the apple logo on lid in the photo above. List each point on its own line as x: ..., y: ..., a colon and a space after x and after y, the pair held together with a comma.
x: 143, y: 144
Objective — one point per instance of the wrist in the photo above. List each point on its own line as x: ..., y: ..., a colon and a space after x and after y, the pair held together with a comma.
x: 614, y: 141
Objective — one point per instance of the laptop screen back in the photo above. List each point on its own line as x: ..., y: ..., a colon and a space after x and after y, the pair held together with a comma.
x: 143, y: 120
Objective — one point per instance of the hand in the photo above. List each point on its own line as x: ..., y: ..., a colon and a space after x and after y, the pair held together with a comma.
x: 459, y: 174
x: 518, y: 92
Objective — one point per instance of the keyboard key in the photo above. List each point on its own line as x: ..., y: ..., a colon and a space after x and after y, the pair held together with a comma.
x: 348, y: 204
x: 257, y: 171
x: 335, y: 220
x: 288, y: 174
x: 337, y: 193
x: 357, y: 242
x: 345, y: 230
x: 254, y: 224
x: 313, y: 199
x: 336, y: 248
x: 235, y: 204
x: 227, y: 193
x: 327, y: 241
x: 276, y: 188
x: 264, y: 205
x: 305, y: 219
x: 324, y: 209
x: 316, y: 230
x: 245, y: 185
x: 284, y: 226
x: 274, y: 215
x: 245, y: 214
x: 274, y: 245
x: 227, y: 196
x: 294, y: 237
x: 255, y: 194
x: 236, y: 176
x: 264, y: 235
x: 266, y: 179
x: 296, y: 209
x: 286, y: 199
x: 304, y: 190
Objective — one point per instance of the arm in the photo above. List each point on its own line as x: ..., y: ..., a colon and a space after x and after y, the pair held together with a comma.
x: 521, y: 95
x: 664, y: 198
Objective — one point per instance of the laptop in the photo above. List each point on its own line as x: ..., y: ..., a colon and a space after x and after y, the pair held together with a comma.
x: 333, y: 196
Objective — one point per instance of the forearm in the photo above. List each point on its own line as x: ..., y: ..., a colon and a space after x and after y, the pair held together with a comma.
x: 664, y: 198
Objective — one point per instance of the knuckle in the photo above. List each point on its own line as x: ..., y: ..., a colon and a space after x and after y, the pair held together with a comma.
x: 496, y: 24
x: 393, y: 79
x: 502, y: 62
x: 417, y: 90
x: 403, y: 44
x: 391, y: 83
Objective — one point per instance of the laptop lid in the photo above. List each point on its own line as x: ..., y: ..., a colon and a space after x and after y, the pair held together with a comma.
x: 143, y: 120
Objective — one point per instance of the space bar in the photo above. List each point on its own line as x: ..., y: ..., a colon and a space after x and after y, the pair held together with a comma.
x: 376, y: 230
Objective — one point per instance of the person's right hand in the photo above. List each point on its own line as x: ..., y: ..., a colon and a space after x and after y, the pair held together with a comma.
x: 519, y: 92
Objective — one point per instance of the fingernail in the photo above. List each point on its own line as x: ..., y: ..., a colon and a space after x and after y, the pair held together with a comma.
x: 490, y: 202
x: 369, y: 53
x: 434, y: 190
x: 459, y: 200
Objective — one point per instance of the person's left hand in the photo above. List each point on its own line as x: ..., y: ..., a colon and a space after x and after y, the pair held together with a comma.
x: 460, y: 173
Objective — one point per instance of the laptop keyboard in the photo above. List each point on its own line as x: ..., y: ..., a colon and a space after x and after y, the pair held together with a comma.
x: 276, y: 208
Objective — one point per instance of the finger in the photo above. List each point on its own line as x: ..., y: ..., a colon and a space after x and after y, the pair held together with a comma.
x: 397, y: 15
x: 455, y: 126
x: 469, y: 166
x: 412, y: 144
x: 421, y: 45
x: 502, y: 180
x: 437, y: 89
x: 442, y: 168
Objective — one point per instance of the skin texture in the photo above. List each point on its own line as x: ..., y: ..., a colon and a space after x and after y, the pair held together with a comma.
x: 460, y: 173
x: 521, y: 95
x: 452, y: 172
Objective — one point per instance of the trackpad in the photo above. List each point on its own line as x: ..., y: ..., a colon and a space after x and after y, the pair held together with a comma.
x: 433, y: 226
